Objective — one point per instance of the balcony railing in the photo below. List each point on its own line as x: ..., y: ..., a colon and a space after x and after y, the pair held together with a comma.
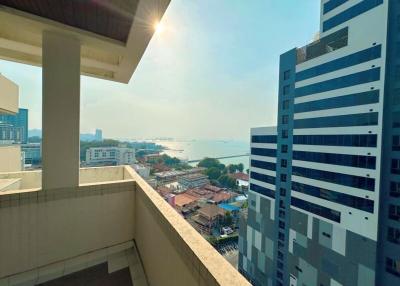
x: 46, y: 234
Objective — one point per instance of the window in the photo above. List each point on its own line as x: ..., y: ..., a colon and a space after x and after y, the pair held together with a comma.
x: 279, y: 275
x: 350, y: 13
x: 281, y: 236
x: 339, y: 82
x: 396, y: 119
x: 285, y: 104
x: 281, y: 204
x: 396, y: 143
x: 285, y: 119
x: 284, y: 148
x: 286, y: 75
x: 263, y: 178
x: 395, y: 167
x: 396, y: 96
x: 395, y: 189
x: 355, y: 99
x: 393, y: 266
x: 282, y: 214
x: 286, y: 89
x: 366, y: 162
x: 285, y: 134
x: 283, y: 192
x: 336, y: 197
x: 393, y: 235
x: 281, y: 224
x: 394, y: 212
x: 263, y: 152
x: 332, y: 4
x: 360, y: 119
x: 316, y: 209
x: 283, y: 177
x: 281, y: 245
x: 336, y: 178
x: 280, y: 265
x: 283, y: 163
x: 280, y: 255
x: 263, y: 139
x: 263, y: 191
x: 263, y: 165
x: 337, y: 140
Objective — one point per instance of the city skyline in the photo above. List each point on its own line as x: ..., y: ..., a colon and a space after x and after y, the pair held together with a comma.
x: 242, y: 74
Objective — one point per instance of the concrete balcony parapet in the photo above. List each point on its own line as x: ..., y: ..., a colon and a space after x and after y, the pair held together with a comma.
x: 111, y: 207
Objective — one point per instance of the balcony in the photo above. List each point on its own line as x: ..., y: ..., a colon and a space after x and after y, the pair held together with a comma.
x: 320, y: 47
x: 114, y: 220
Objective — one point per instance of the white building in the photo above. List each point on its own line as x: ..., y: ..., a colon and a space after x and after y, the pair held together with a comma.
x: 102, y: 156
x: 142, y: 170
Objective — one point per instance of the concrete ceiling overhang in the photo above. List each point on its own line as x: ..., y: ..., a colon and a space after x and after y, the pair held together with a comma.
x: 113, y: 33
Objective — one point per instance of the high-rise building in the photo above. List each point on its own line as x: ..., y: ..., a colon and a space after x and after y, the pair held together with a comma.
x: 327, y: 212
x: 98, y: 135
x: 16, y: 125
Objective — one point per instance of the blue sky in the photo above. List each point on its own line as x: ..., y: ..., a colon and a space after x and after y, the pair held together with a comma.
x: 211, y: 74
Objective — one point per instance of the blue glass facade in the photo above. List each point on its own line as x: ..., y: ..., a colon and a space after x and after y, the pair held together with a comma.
x: 20, y: 120
x: 355, y: 99
x: 335, y: 178
x: 336, y: 197
x: 350, y: 13
x: 357, y: 161
x: 340, y: 82
x: 263, y: 152
x: 356, y: 140
x: 360, y: 119
x: 332, y: 4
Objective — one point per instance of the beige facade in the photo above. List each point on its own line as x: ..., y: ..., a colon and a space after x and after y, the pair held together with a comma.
x: 8, y: 96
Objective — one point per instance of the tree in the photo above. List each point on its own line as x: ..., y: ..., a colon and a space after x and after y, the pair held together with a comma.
x: 213, y: 173
x: 211, y: 162
x: 240, y: 167
x: 228, y: 219
x: 227, y: 181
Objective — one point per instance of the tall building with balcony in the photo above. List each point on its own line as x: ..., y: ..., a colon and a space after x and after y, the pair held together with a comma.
x: 11, y: 158
x: 327, y: 211
x: 65, y: 225
x: 15, y: 126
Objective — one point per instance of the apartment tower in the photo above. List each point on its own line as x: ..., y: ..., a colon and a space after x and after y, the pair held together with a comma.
x: 324, y: 202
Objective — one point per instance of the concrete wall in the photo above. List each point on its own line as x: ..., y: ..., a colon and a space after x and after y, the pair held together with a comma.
x: 8, y: 96
x: 43, y: 231
x: 43, y: 227
x: 10, y: 158
x: 173, y: 252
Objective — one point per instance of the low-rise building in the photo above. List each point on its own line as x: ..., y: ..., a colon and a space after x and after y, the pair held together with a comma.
x: 103, y: 156
x: 208, y: 218
x: 193, y: 181
x: 142, y: 170
x: 185, y: 202
x: 33, y: 153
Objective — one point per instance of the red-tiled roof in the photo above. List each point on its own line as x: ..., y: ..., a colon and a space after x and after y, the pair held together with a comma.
x: 184, y: 199
x: 240, y: 176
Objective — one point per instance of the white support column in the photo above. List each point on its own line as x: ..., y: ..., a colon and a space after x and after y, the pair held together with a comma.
x: 61, y: 111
